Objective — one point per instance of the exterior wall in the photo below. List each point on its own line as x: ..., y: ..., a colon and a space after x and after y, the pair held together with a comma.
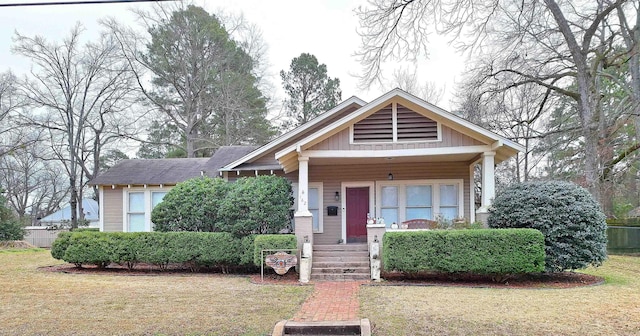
x: 113, y: 209
x: 450, y: 138
x: 333, y: 176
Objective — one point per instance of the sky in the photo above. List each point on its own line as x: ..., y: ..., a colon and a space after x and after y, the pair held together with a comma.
x: 326, y: 29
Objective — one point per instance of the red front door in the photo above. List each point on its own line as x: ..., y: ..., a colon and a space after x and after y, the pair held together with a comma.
x: 357, y: 209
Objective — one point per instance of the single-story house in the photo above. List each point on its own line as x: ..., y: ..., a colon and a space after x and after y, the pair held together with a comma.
x: 47, y: 231
x: 397, y: 157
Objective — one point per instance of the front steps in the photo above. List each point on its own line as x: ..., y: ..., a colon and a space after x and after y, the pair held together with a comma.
x: 340, y: 262
x: 289, y: 328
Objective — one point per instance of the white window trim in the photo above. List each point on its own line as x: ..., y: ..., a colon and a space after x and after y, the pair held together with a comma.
x: 435, y: 201
x: 147, y: 205
x: 319, y: 186
x: 394, y: 122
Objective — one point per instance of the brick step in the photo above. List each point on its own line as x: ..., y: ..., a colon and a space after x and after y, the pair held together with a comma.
x: 340, y: 277
x: 339, y: 270
x: 335, y: 259
x: 341, y: 247
x: 293, y: 328
x: 356, y: 254
x: 340, y: 264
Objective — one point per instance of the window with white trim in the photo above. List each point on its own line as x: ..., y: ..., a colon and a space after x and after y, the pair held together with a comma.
x: 315, y: 201
x: 399, y: 201
x: 136, y: 212
x: 139, y: 202
x: 389, y: 204
x: 418, y: 202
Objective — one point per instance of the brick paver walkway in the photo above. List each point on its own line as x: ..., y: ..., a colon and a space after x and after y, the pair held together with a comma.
x: 331, y: 301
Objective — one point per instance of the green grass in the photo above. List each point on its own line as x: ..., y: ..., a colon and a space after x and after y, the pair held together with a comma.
x: 608, y: 309
x: 36, y: 302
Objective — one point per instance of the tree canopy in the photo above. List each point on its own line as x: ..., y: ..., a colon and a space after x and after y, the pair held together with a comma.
x: 202, y: 82
x: 311, y: 91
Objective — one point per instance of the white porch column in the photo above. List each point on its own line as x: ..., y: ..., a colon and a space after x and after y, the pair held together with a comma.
x: 303, y: 218
x: 488, y: 181
x: 303, y: 187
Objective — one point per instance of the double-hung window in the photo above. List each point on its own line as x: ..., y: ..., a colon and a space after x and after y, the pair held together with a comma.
x: 399, y: 201
x: 136, y: 212
x: 139, y: 202
x: 314, y: 203
x: 418, y: 202
x: 389, y: 206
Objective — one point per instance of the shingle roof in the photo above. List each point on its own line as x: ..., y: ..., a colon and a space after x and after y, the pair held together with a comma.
x: 169, y: 171
x: 227, y: 154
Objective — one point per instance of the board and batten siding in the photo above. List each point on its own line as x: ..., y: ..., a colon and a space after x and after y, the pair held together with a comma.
x: 113, y: 209
x: 450, y: 138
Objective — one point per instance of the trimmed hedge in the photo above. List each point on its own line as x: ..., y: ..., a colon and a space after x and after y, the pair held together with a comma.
x: 192, y: 249
x: 272, y: 241
x: 484, y: 251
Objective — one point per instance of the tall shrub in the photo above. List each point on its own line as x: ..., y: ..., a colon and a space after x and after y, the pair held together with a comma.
x: 570, y: 219
x: 10, y: 226
x: 193, y: 205
x: 257, y: 205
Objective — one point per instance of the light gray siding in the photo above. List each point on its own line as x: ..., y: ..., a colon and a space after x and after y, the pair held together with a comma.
x: 113, y: 209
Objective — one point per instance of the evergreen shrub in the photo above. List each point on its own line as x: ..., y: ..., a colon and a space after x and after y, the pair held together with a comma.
x: 483, y: 251
x: 570, y: 219
x: 190, y: 249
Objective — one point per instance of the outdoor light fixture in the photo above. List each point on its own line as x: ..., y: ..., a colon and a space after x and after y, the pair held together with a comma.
x: 337, y: 195
x: 390, y: 177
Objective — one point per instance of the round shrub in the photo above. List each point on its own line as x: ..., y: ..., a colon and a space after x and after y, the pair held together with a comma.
x: 257, y: 205
x: 570, y: 219
x: 193, y: 205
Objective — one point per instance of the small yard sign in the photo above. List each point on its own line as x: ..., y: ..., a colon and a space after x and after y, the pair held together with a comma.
x: 281, y: 262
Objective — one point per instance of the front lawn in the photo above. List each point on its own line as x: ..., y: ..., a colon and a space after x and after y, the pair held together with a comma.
x: 609, y: 309
x: 34, y: 301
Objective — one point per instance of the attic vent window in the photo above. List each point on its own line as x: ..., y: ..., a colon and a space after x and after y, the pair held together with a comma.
x: 415, y: 127
x: 377, y: 127
x: 395, y: 123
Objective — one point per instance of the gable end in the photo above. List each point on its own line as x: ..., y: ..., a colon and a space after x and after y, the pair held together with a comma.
x: 395, y: 123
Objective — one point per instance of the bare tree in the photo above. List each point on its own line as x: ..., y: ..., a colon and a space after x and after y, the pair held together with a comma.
x: 11, y: 137
x: 552, y: 44
x: 407, y: 79
x: 34, y: 186
x: 79, y: 95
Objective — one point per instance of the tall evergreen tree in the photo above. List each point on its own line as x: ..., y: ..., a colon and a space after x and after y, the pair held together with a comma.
x: 311, y: 91
x: 203, y: 82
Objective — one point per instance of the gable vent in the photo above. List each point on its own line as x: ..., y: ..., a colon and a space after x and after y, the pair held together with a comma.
x: 413, y: 126
x: 377, y: 127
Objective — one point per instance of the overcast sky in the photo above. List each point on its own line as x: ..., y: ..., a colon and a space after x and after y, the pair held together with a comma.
x: 326, y: 29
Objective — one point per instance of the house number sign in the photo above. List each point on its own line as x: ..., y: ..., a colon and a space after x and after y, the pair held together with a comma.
x: 281, y: 262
